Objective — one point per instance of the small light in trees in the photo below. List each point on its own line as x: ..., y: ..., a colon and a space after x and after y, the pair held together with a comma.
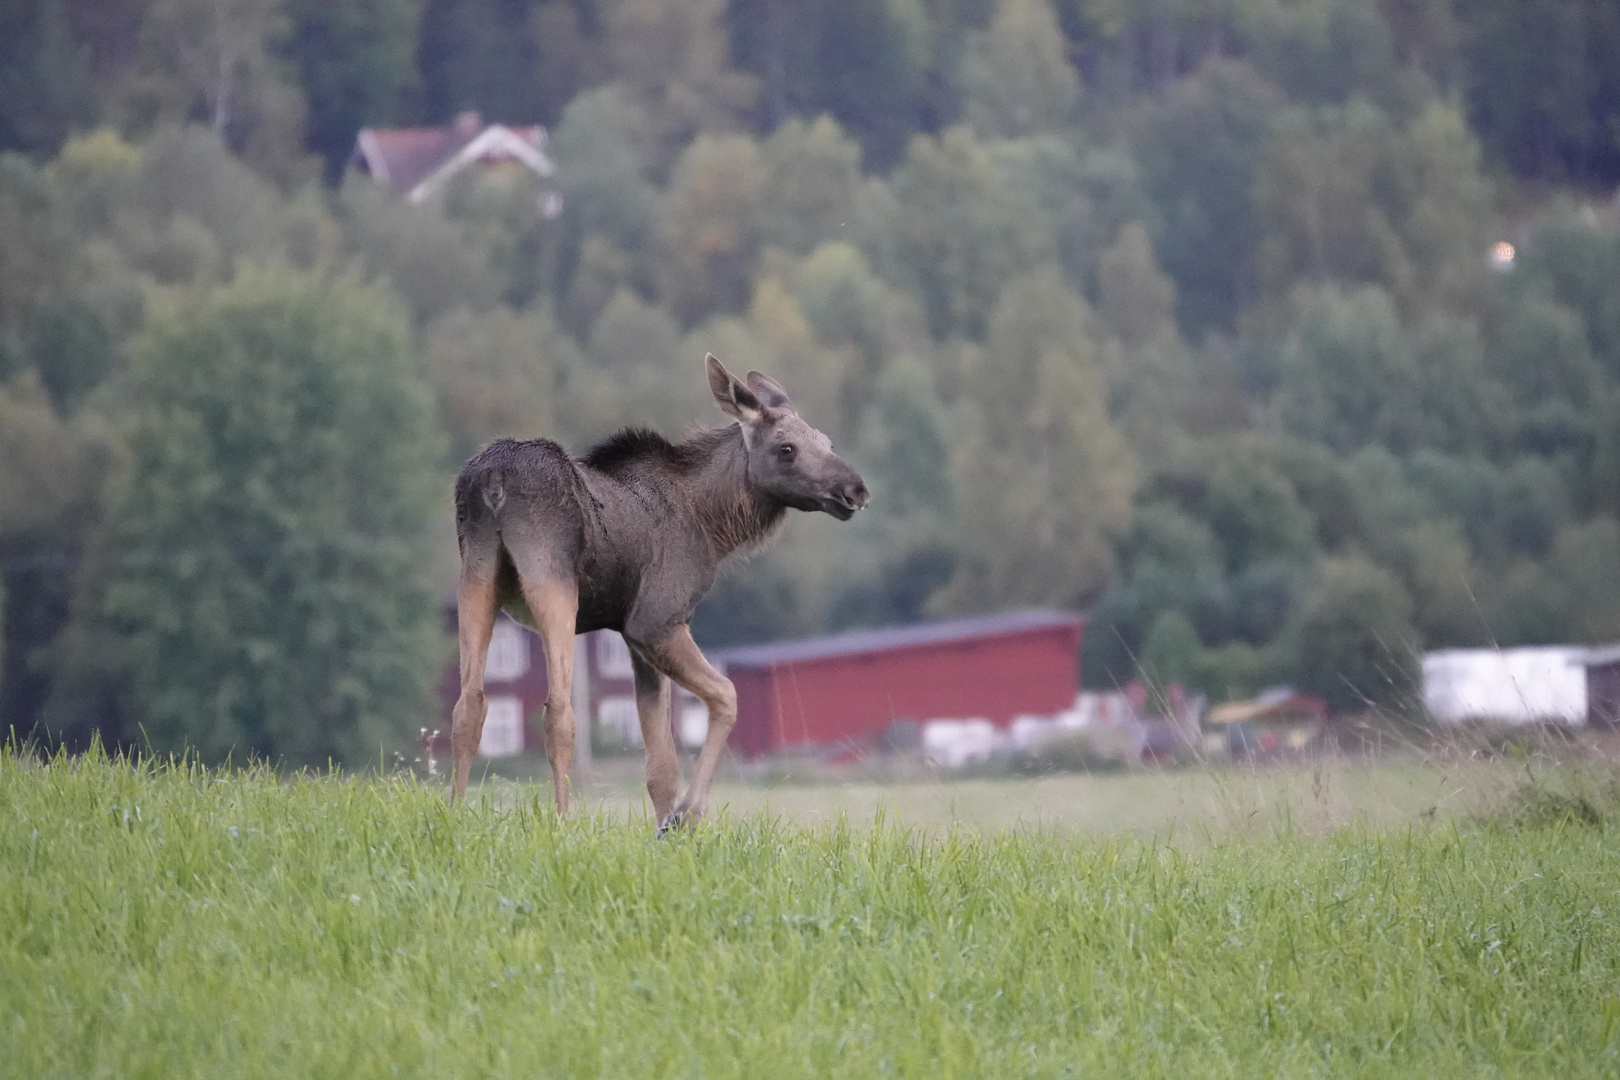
x: 1502, y: 254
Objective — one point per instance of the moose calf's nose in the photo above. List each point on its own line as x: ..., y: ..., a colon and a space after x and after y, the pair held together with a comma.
x: 856, y: 494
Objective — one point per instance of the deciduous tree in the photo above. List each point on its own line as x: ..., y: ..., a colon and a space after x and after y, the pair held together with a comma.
x: 266, y: 590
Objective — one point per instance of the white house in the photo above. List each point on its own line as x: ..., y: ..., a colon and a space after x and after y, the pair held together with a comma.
x: 1543, y: 684
x: 416, y: 162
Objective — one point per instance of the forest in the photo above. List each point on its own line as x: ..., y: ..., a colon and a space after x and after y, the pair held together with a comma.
x: 1282, y: 337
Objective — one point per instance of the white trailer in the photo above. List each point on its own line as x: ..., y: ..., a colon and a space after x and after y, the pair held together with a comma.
x: 1544, y: 684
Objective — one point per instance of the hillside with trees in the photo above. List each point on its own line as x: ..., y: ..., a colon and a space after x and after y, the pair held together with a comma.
x: 1184, y: 314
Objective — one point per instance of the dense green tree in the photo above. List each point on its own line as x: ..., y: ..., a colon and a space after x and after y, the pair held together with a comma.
x: 907, y: 440
x: 52, y: 472
x: 1570, y: 261
x: 1252, y: 506
x: 1346, y: 373
x: 1349, y: 197
x: 509, y: 216
x: 604, y: 148
x: 1505, y: 511
x: 635, y: 349
x: 1586, y: 564
x: 1542, y: 353
x: 1543, y: 88
x: 180, y: 209
x: 1084, y: 195
x: 846, y: 303
x: 1016, y: 77
x: 45, y: 85
x: 424, y: 254
x: 503, y: 374
x: 216, y: 61
x: 267, y: 593
x: 355, y: 59
x: 1150, y: 374
x: 673, y: 58
x: 70, y: 347
x: 849, y: 309
x: 813, y: 178
x: 1170, y: 653
x: 1318, y: 50
x: 961, y: 231
x: 37, y: 250
x: 1402, y: 528
x: 1352, y: 640
x: 1200, y: 153
x: 1038, y: 458
x: 710, y: 235
x: 477, y: 55
x: 872, y: 64
x: 1351, y: 374
x: 568, y: 55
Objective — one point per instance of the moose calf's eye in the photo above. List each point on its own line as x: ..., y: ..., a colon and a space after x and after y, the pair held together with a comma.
x: 787, y: 450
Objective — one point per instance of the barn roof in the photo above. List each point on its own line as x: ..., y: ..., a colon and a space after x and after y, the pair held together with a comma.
x: 1602, y: 655
x: 892, y: 638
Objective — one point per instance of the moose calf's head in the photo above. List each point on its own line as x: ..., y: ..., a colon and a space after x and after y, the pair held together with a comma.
x: 787, y: 458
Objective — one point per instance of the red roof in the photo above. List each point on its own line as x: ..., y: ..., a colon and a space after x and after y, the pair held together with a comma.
x: 891, y: 638
x: 403, y: 158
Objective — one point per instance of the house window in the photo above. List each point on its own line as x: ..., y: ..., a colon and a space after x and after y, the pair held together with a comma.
x: 618, y: 714
x: 692, y: 722
x: 508, y: 653
x: 613, y: 657
x: 503, y: 727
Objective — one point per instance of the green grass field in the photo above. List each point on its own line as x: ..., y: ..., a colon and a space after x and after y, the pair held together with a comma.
x: 174, y: 922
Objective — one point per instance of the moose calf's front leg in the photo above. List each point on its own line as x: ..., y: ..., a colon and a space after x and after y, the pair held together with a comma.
x: 685, y: 663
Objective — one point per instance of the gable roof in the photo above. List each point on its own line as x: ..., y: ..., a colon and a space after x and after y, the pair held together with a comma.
x: 415, y: 162
x: 895, y: 637
x: 1602, y: 655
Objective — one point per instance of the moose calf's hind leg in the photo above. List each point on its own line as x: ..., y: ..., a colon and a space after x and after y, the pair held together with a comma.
x: 652, y: 706
x: 475, y: 621
x: 554, y: 605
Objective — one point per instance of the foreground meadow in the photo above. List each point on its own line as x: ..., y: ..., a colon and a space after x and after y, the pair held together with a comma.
x: 176, y: 922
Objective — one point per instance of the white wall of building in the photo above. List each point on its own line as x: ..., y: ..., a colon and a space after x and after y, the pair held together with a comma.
x: 1545, y: 684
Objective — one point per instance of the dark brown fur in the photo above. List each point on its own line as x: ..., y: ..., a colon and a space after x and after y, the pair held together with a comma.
x: 629, y: 537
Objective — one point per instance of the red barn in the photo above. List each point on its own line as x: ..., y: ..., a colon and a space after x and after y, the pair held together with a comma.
x: 844, y: 690
x: 604, y: 693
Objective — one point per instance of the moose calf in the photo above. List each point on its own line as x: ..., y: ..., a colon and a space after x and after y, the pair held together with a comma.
x: 630, y: 538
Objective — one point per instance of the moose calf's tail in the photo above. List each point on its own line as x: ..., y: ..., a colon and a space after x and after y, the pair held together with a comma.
x: 480, y: 492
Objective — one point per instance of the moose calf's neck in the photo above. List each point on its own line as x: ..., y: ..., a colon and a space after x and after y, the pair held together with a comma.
x: 732, y: 515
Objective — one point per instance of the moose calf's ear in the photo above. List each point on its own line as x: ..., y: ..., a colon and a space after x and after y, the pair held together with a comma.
x: 730, y: 394
x: 770, y: 392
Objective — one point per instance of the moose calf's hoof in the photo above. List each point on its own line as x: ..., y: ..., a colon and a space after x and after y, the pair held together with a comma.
x: 678, y: 821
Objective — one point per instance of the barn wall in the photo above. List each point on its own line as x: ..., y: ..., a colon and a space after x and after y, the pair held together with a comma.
x: 1603, y: 695
x: 827, y: 700
x: 514, y: 681
x: 755, y: 733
